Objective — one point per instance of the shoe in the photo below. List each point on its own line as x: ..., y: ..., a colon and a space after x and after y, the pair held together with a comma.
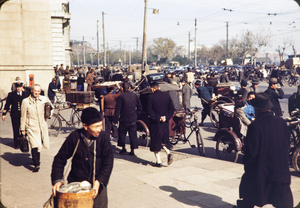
x: 132, y: 154
x: 170, y: 159
x: 158, y: 165
x: 123, y: 151
x: 36, y: 169
x: 201, y: 124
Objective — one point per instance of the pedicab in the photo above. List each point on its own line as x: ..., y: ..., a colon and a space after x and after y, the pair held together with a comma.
x: 224, y: 93
x: 228, y: 137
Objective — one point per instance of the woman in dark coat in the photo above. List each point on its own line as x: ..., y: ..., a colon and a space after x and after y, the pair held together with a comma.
x: 160, y: 108
x: 266, y: 159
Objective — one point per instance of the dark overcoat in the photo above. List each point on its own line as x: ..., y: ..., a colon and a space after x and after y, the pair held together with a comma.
x: 266, y: 162
x: 159, y: 104
x: 275, y: 96
x: 14, y: 100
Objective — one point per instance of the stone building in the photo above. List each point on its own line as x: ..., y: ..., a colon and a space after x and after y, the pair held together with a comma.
x: 35, y: 36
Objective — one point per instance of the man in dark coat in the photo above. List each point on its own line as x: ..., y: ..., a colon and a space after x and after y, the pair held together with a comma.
x: 14, y: 99
x: 89, y: 139
x: 52, y: 89
x: 160, y: 109
x: 224, y: 77
x: 243, y: 91
x: 266, y: 159
x: 275, y: 96
x: 294, y: 101
x: 127, y: 110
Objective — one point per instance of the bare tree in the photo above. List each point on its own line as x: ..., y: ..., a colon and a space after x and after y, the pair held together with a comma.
x: 163, y: 47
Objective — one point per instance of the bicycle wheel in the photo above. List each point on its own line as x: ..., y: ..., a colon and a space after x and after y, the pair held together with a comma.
x: 54, y: 124
x: 226, y: 148
x: 296, y: 160
x: 290, y: 82
x: 76, y: 120
x: 214, y: 113
x: 200, y: 144
x: 143, y: 139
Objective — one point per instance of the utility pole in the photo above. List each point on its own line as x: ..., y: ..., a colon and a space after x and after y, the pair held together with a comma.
x: 129, y: 57
x: 189, y: 48
x: 124, y: 55
x: 83, y: 50
x: 195, y: 42
x: 144, y: 38
x: 137, y: 43
x: 104, y: 51
x: 107, y: 54
x: 98, y: 42
x: 226, y: 39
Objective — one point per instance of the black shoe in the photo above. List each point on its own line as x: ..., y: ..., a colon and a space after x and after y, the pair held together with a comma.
x: 123, y: 151
x: 170, y: 159
x: 36, y: 169
x: 132, y: 153
x: 158, y: 165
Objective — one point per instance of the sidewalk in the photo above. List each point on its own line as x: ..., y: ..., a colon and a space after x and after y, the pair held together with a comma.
x: 191, y: 181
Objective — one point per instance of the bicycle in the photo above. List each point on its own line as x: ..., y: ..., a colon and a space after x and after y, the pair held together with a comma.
x: 294, y: 150
x: 293, y: 80
x: 55, y: 121
x: 180, y: 134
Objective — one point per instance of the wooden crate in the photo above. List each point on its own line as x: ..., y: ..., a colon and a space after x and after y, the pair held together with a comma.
x: 84, y: 105
x: 80, y: 97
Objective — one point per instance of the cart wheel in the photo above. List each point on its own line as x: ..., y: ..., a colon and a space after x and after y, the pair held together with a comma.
x: 226, y: 149
x: 296, y: 160
x: 143, y: 138
x: 173, y: 140
x: 200, y: 144
x: 214, y: 113
x: 54, y: 124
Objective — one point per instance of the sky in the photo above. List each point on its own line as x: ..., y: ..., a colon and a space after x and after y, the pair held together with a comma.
x: 124, y: 19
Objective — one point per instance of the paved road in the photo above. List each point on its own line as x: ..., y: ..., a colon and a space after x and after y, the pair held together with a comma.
x: 191, y: 181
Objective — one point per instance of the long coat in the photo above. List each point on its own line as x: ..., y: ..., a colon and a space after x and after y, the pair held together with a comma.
x: 33, y: 121
x: 266, y: 162
x: 14, y: 100
x: 274, y: 96
x: 159, y: 104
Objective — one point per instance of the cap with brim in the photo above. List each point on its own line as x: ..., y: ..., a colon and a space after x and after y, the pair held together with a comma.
x: 261, y: 101
x: 18, y: 84
x: 198, y: 82
x: 273, y: 80
x: 244, y: 82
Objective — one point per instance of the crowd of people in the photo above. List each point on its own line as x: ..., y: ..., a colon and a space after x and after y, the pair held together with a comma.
x: 263, y: 130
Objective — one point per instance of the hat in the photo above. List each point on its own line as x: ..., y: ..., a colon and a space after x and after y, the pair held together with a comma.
x: 255, y: 82
x: 91, y: 115
x: 244, y: 82
x: 261, y: 101
x: 273, y: 80
x: 198, y: 82
x: 54, y: 79
x: 19, y: 83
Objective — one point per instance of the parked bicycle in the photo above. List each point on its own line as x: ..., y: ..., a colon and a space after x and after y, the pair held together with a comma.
x: 191, y: 122
x: 56, y: 120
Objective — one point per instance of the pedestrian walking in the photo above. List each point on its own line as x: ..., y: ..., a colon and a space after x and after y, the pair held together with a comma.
x: 224, y: 77
x: 52, y: 89
x: 80, y: 82
x: 294, y: 101
x: 33, y: 123
x: 90, y: 79
x: 93, y: 156
x: 110, y: 102
x: 128, y: 109
x: 266, y: 159
x: 14, y: 100
x: 275, y: 92
x: 186, y: 96
x: 160, y: 109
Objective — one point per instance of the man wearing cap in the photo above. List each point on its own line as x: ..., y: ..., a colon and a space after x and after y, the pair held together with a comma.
x: 90, y: 139
x: 127, y: 111
x: 205, y: 94
x: 266, y: 159
x: 14, y: 99
x: 275, y: 92
x: 243, y: 91
x: 253, y: 87
x: 52, y: 89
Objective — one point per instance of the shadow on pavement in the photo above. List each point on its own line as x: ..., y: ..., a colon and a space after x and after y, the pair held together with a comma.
x: 134, y: 159
x: 8, y: 142
x: 18, y: 159
x: 195, y: 197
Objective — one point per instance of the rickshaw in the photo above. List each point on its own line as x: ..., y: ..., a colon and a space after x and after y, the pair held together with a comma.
x: 177, y: 124
x: 228, y: 137
x: 224, y: 93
